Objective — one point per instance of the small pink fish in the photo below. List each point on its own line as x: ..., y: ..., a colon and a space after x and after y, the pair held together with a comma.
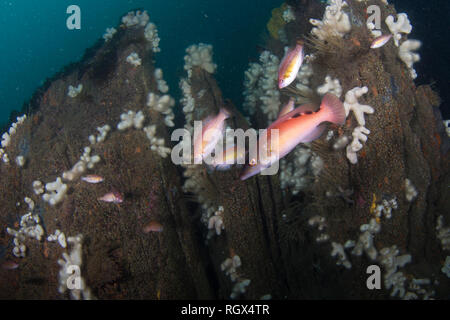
x: 153, y: 226
x: 9, y: 265
x: 290, y: 65
x: 380, y: 41
x: 113, y: 197
x: 212, y: 131
x: 303, y: 124
x: 92, y: 178
x: 287, y: 108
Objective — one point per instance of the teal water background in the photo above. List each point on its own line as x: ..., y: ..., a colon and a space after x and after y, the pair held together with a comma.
x: 35, y: 42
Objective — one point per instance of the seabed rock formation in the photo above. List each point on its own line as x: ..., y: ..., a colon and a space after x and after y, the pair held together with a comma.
x: 265, y: 225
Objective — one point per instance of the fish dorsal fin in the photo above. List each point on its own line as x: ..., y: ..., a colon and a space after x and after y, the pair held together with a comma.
x: 316, y: 133
x: 306, y: 108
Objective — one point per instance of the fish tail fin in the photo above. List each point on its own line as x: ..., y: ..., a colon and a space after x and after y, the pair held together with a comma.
x: 334, y: 109
x: 225, y: 112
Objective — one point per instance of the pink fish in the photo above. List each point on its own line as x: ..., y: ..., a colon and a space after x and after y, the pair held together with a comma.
x: 301, y: 125
x: 380, y: 41
x: 153, y: 226
x: 288, y: 107
x: 290, y: 65
x: 9, y: 265
x: 212, y: 131
x: 113, y: 197
x: 92, y: 178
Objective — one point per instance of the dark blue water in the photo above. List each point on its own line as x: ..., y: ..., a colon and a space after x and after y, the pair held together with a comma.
x: 35, y: 42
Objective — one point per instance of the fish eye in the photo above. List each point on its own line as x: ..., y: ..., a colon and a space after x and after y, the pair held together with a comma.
x: 252, y: 162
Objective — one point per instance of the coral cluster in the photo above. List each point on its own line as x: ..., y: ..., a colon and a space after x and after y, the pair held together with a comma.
x: 162, y: 104
x: 199, y: 55
x: 6, y: 139
x: 261, y: 86
x: 331, y: 85
x: 109, y: 34
x: 160, y: 82
x: 29, y: 228
x: 134, y: 59
x: 229, y: 266
x: 74, y: 91
x: 402, y: 25
x: 335, y: 21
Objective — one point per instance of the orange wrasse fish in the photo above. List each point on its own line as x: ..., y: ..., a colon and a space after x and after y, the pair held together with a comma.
x: 212, y: 131
x: 92, y: 178
x: 380, y: 41
x: 229, y: 157
x: 153, y: 226
x: 287, y: 108
x: 114, y: 197
x: 301, y: 125
x: 290, y: 65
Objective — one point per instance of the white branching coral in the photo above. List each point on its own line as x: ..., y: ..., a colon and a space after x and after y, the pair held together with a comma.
x: 134, y: 59
x: 103, y: 132
x: 29, y: 228
x: 58, y: 236
x: 137, y: 18
x: 156, y: 144
x: 385, y: 208
x: 162, y: 104
x: 331, y: 85
x: 215, y: 222
x: 446, y: 267
x: 109, y: 34
x: 338, y: 250
x: 141, y: 19
x: 20, y: 161
x: 229, y: 266
x: 188, y: 103
x: 151, y: 34
x: 351, y: 103
x: 86, y: 162
x: 55, y: 192
x: 271, y: 96
x: 443, y: 233
x: 335, y: 21
x: 359, y: 137
x: 70, y: 272
x: 6, y: 139
x: 297, y: 174
x: 365, y: 241
x: 408, y: 56
x: 199, y: 55
x: 447, y: 127
x: 160, y: 82
x: 252, y: 89
x: 410, y: 191
x: 131, y: 119
x: 38, y: 187
x: 74, y: 91
x: 303, y: 76
x: 261, y: 86
x: 391, y: 261
x: 288, y: 14
x: 402, y: 25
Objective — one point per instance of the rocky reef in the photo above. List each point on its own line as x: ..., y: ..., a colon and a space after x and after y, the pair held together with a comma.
x: 372, y: 191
